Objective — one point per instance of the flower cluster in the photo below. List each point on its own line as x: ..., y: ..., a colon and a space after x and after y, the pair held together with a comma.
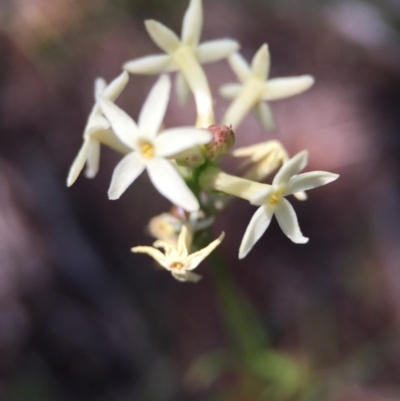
x: 183, y: 162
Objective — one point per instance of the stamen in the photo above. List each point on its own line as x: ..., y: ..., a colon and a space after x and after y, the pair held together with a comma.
x: 274, y: 199
x: 177, y: 265
x: 146, y: 148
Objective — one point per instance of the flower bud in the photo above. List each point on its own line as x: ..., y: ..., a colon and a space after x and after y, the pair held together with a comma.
x: 223, y: 140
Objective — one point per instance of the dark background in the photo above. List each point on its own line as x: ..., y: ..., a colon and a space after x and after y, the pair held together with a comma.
x: 82, y: 318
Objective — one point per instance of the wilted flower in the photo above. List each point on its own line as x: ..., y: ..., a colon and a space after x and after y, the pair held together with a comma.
x: 176, y: 258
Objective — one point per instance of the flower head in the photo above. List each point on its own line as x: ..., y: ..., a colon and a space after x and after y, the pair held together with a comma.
x: 255, y: 88
x: 151, y: 151
x: 271, y: 200
x: 176, y: 258
x: 98, y: 131
x: 185, y: 55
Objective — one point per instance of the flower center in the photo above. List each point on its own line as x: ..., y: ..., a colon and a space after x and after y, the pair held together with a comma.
x: 177, y: 265
x: 274, y: 199
x: 146, y: 149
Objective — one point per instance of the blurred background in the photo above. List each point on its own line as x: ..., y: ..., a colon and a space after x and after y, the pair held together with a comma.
x: 82, y: 318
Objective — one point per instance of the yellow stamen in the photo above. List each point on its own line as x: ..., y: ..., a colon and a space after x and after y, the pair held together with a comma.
x: 146, y: 149
x: 274, y: 199
x: 177, y: 265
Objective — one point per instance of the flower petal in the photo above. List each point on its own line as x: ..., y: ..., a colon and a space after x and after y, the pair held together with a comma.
x: 290, y: 168
x: 256, y: 228
x: 215, y: 50
x: 155, y: 64
x: 126, y: 171
x: 100, y: 86
x: 265, y: 116
x: 93, y: 160
x: 95, y: 124
x: 170, y: 184
x: 157, y: 255
x: 175, y: 140
x: 230, y: 91
x: 184, y: 240
x: 79, y: 162
x: 162, y: 36
x: 197, y: 257
x: 123, y: 125
x: 301, y: 196
x: 279, y: 88
x: 116, y: 86
x: 261, y: 63
x: 192, y: 23
x: 187, y: 276
x: 306, y: 181
x: 152, y: 113
x: 182, y: 89
x: 287, y: 220
x: 240, y: 67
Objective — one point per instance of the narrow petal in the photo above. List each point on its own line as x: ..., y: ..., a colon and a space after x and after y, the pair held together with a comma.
x: 301, y: 196
x: 79, y: 162
x: 261, y: 63
x: 256, y: 228
x: 290, y: 168
x: 215, y: 50
x: 153, y: 110
x: 230, y: 91
x: 157, y: 255
x: 287, y: 220
x: 171, y: 185
x: 100, y: 86
x: 265, y: 116
x: 306, y: 181
x: 240, y: 67
x: 280, y: 88
x: 93, y: 160
x: 96, y: 123
x: 197, y: 257
x: 187, y: 276
x: 126, y: 171
x: 175, y: 140
x: 123, y: 125
x: 116, y: 86
x: 162, y: 36
x: 169, y: 249
x: 192, y: 23
x: 184, y: 240
x: 156, y: 64
x: 182, y: 89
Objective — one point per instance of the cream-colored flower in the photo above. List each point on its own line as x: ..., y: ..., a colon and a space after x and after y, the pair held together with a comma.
x: 271, y: 200
x: 255, y: 89
x: 98, y: 131
x: 176, y: 258
x: 185, y: 55
x: 151, y: 151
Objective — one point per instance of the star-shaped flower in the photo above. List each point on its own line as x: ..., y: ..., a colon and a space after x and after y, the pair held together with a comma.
x: 151, y: 151
x: 97, y: 131
x: 255, y: 89
x: 185, y: 56
x: 271, y: 200
x: 176, y: 258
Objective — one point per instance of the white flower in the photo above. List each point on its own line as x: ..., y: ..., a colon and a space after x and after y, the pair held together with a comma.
x: 149, y: 150
x: 185, y: 56
x: 255, y: 89
x: 97, y: 131
x: 177, y: 259
x: 271, y: 200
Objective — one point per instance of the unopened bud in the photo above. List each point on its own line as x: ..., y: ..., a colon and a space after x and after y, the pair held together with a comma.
x: 192, y: 158
x: 223, y: 140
